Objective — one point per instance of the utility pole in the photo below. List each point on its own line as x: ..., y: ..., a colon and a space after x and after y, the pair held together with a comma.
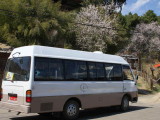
x: 152, y: 70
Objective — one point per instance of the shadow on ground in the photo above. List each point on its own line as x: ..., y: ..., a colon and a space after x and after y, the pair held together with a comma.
x: 84, y: 115
x: 104, y: 112
x: 144, y: 92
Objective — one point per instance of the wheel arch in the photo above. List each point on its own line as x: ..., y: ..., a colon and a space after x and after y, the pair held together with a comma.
x: 128, y: 95
x: 74, y: 99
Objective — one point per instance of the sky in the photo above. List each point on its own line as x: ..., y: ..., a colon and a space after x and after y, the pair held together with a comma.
x: 141, y: 6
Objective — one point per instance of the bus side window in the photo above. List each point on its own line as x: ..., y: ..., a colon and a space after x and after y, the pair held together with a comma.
x: 75, y: 70
x: 56, y: 69
x: 48, y: 69
x: 113, y: 72
x: 118, y: 73
x: 41, y: 67
x: 100, y: 72
x: 127, y: 74
x: 109, y: 71
x: 92, y: 71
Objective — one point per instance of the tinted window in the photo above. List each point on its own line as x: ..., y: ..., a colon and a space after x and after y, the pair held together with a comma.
x: 118, y: 73
x: 109, y: 71
x: 113, y: 72
x: 18, y: 69
x: 47, y: 69
x: 100, y: 72
x: 92, y: 71
x: 127, y: 74
x: 75, y: 70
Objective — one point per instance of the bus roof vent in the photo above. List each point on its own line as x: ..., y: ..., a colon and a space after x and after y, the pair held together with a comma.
x: 99, y: 52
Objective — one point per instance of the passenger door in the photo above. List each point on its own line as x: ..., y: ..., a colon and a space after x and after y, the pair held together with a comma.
x: 129, y: 81
x: 114, y: 84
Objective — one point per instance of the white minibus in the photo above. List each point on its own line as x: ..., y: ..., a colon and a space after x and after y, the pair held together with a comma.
x: 46, y: 80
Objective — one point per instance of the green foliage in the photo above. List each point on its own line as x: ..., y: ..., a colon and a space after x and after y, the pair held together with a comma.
x: 71, y: 4
x: 44, y: 22
x: 93, y: 2
x: 27, y: 22
x: 132, y: 20
x: 158, y: 17
x: 116, y: 1
x: 149, y: 17
x: 123, y: 35
x: 97, y: 2
x: 139, y: 85
x: 156, y: 88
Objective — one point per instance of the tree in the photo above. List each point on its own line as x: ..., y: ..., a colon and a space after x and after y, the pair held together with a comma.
x: 149, y: 17
x: 26, y: 22
x: 122, y: 36
x: 118, y: 3
x: 146, y: 39
x: 112, y: 4
x: 158, y: 19
x: 71, y: 4
x: 93, y: 2
x: 44, y: 22
x: 95, y: 28
x: 131, y: 21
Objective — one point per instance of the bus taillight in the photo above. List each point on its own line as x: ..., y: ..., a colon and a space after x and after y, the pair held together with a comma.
x: 28, y: 96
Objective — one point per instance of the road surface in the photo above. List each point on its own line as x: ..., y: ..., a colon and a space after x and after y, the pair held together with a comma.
x: 148, y: 108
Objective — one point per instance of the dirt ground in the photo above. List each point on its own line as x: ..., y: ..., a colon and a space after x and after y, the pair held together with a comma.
x: 155, y: 98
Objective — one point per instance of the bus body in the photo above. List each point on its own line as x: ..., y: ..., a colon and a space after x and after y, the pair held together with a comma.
x: 40, y: 79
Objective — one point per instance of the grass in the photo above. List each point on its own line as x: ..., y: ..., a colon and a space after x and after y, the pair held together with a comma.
x: 139, y: 85
x: 156, y: 88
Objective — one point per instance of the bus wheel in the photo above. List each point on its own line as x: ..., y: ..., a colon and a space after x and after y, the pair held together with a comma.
x: 71, y: 110
x: 125, y: 104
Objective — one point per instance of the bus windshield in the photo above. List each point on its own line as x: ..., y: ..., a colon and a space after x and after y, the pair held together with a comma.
x: 17, y: 69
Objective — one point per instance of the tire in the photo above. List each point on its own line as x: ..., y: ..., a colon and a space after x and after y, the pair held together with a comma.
x: 71, y: 110
x: 125, y: 104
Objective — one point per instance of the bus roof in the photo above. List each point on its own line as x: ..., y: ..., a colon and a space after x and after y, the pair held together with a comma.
x: 52, y: 52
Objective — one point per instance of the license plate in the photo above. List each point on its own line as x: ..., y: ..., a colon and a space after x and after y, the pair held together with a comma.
x: 13, y: 98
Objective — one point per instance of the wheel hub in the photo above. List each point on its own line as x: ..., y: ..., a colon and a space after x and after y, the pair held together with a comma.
x: 71, y: 110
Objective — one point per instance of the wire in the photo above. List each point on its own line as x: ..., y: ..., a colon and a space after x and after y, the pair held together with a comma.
x: 8, y: 11
x: 91, y: 25
x: 7, y: 15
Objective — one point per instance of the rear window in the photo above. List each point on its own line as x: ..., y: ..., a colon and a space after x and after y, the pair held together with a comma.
x: 17, y: 69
